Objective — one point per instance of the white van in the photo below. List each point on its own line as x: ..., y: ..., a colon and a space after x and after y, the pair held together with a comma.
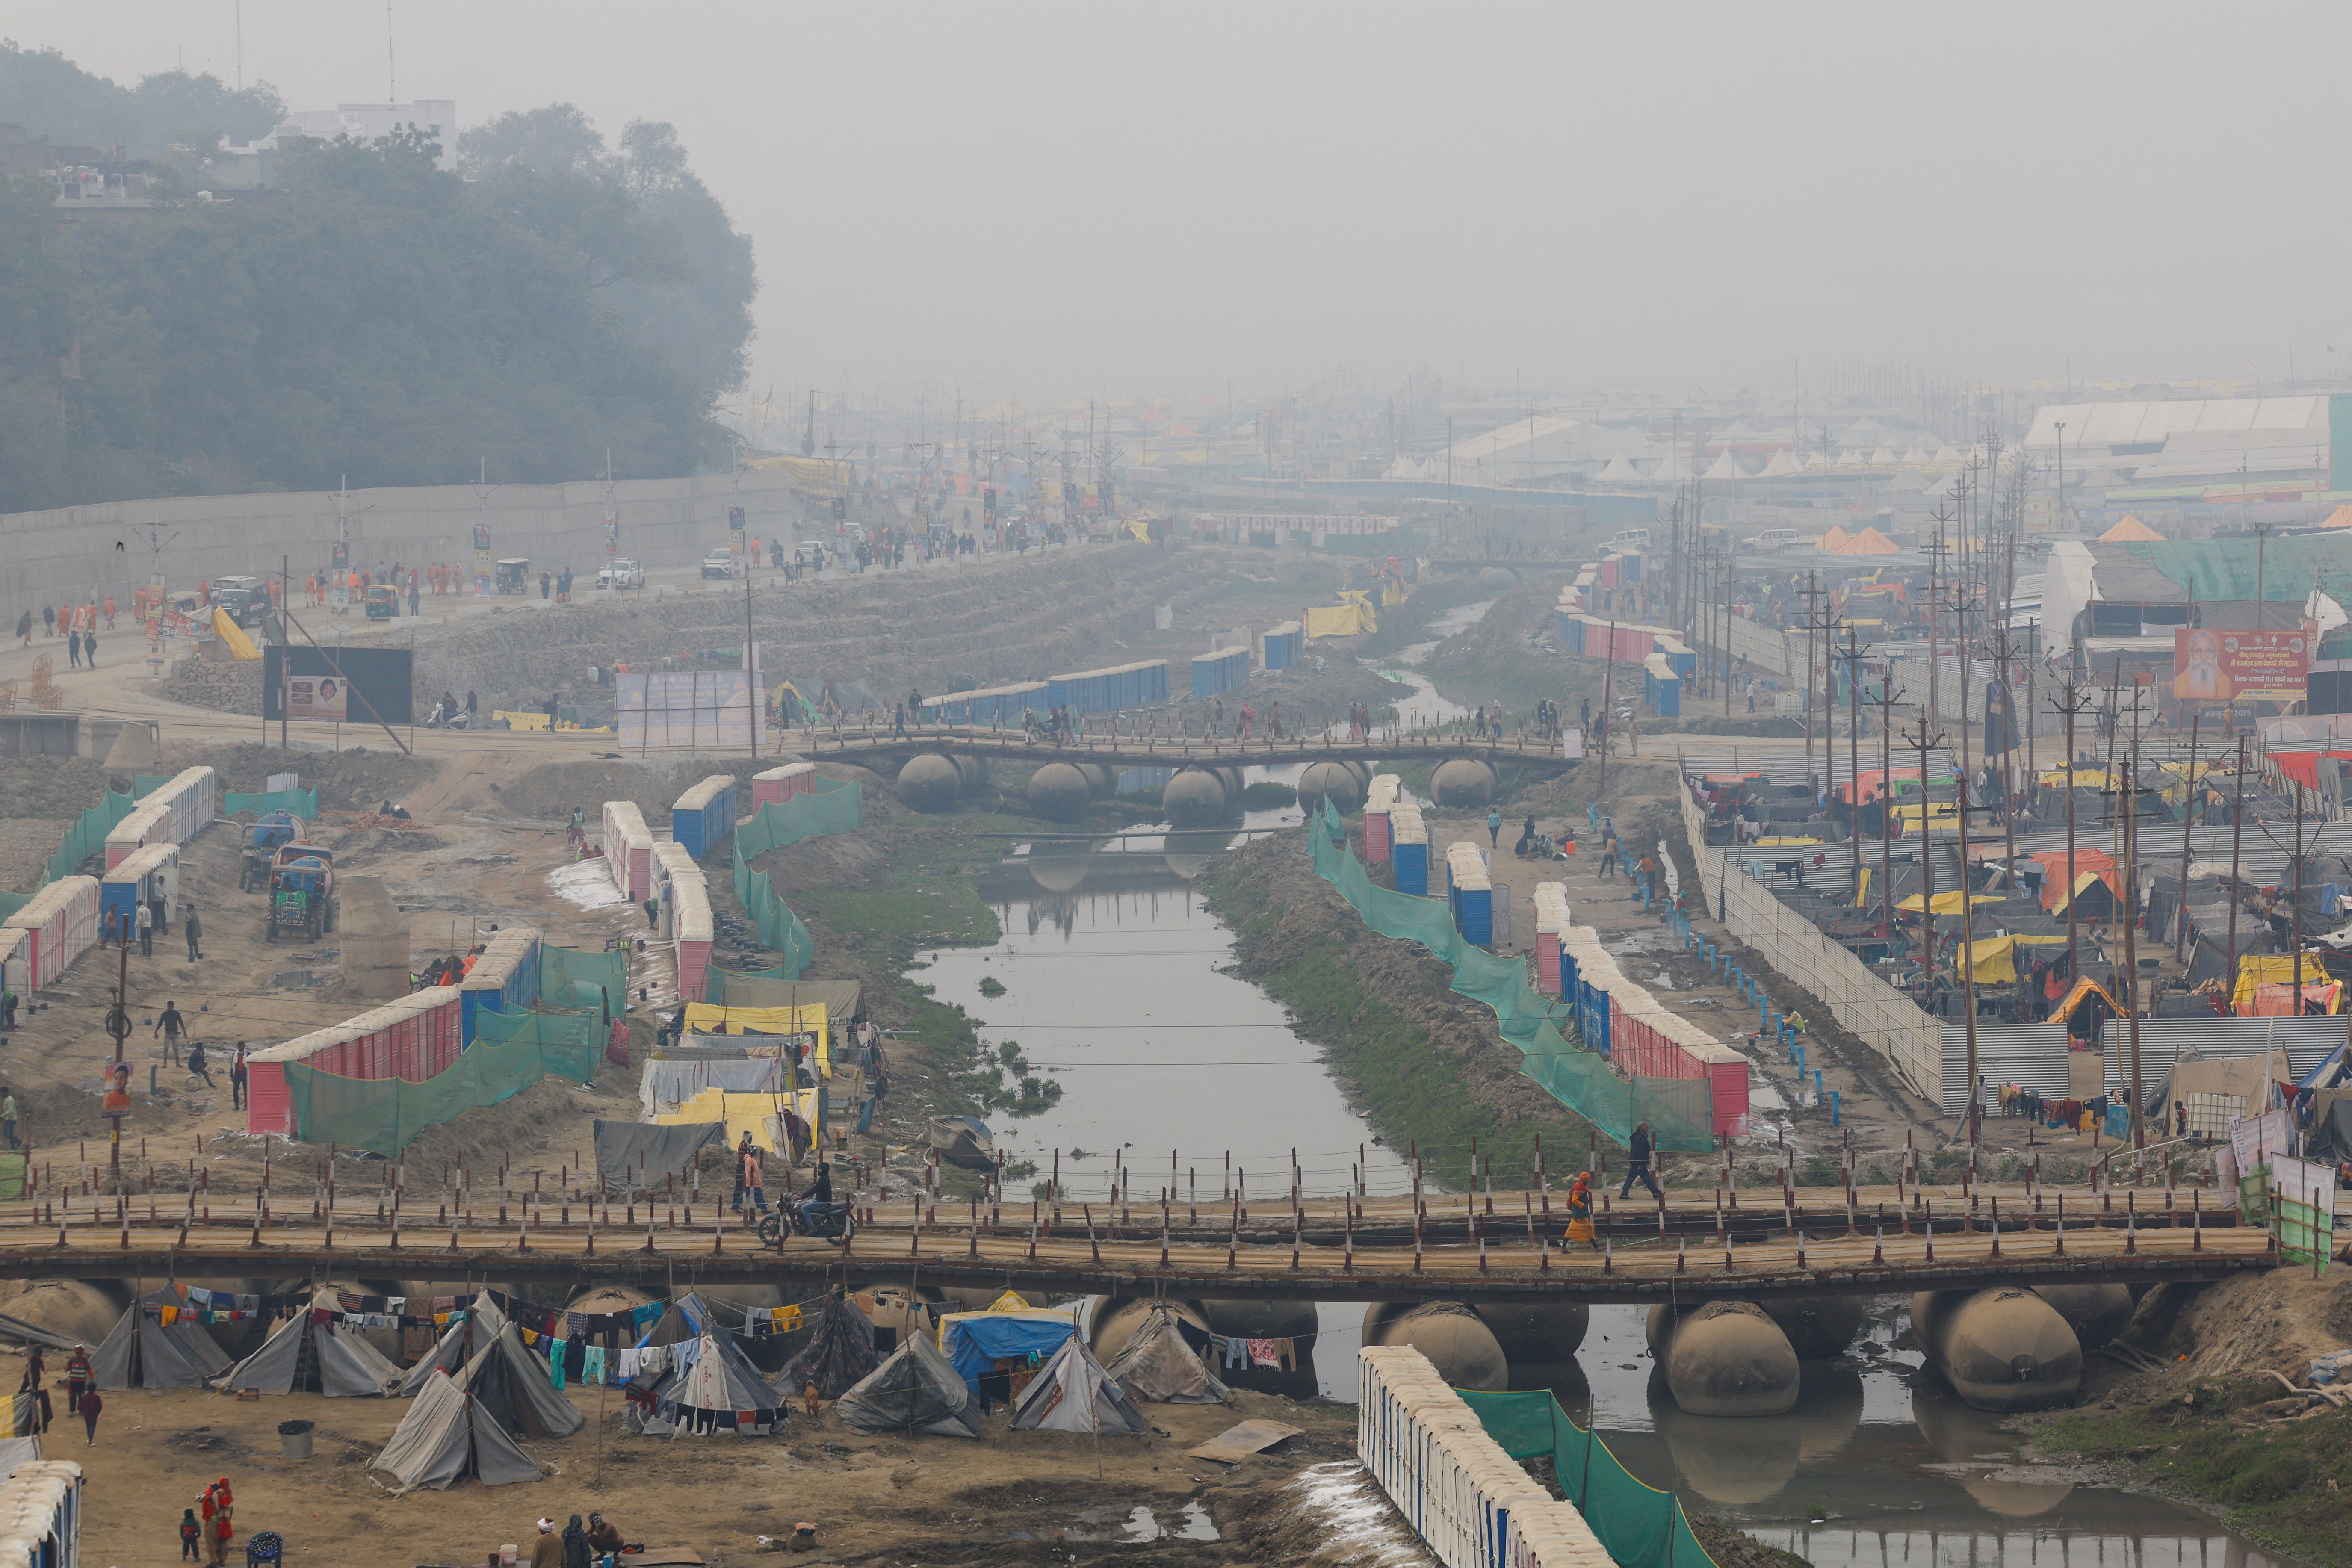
x: 1770, y: 540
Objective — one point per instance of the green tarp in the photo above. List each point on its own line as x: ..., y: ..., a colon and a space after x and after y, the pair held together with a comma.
x: 1677, y: 1110
x: 384, y: 1115
x: 584, y: 978
x: 834, y: 807
x: 302, y: 802
x: 1638, y: 1525
x: 87, y: 836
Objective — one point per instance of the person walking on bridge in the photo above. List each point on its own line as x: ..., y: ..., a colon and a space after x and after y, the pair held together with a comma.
x: 1637, y: 1166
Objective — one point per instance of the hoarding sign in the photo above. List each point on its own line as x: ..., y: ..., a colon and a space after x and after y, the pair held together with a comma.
x: 321, y: 698
x: 2213, y: 663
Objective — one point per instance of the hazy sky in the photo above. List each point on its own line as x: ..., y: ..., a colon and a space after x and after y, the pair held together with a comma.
x: 1057, y: 199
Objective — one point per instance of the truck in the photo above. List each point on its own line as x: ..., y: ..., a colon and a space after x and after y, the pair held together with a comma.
x: 262, y: 842
x: 302, y: 893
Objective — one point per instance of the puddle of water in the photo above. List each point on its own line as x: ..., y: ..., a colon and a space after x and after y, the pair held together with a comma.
x: 585, y: 883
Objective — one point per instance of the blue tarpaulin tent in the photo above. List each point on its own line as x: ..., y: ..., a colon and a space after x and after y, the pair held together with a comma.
x: 975, y: 1339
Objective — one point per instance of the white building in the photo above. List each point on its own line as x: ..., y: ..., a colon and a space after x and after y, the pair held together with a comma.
x: 366, y: 122
x: 2188, y: 441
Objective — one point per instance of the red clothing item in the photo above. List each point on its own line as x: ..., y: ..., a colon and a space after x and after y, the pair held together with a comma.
x: 90, y: 1405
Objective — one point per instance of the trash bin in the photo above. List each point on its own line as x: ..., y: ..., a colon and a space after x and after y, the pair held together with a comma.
x: 294, y: 1437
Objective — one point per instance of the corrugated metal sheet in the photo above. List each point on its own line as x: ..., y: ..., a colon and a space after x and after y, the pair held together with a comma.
x: 2032, y: 1055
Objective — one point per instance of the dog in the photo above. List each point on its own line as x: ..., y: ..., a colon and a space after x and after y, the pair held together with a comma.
x: 809, y: 1397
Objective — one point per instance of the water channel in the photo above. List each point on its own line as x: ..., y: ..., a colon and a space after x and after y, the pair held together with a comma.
x: 1117, y: 983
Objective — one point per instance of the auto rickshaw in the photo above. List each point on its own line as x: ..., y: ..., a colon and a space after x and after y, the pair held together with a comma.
x: 383, y: 602
x: 514, y: 577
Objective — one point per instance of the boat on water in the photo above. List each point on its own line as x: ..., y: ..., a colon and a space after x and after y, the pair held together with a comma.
x: 965, y: 1141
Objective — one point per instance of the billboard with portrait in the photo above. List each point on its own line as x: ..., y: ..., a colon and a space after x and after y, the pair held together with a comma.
x: 2223, y: 664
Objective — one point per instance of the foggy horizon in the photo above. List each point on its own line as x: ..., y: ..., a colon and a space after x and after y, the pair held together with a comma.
x: 1046, y: 202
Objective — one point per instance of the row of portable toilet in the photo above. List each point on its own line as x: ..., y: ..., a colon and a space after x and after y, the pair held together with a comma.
x: 986, y: 707
x: 1621, y: 642
x: 1551, y: 924
x: 1471, y: 1503
x: 704, y: 815
x: 1214, y: 674
x: 172, y: 812
x: 1469, y: 892
x: 684, y: 921
x: 1380, y: 801
x: 146, y: 874
x: 778, y: 785
x: 1662, y: 689
x: 413, y: 1038
x: 1639, y: 1036
x: 628, y: 850
x: 1408, y: 848
x: 504, y: 979
x: 57, y: 925
x: 1111, y: 690
x: 1281, y: 646
x: 40, y: 1515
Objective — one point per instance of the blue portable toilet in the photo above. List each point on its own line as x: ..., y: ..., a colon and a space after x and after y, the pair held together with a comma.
x: 704, y: 815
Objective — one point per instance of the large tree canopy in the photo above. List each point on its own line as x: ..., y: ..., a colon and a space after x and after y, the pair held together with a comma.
x: 376, y: 319
x: 51, y: 96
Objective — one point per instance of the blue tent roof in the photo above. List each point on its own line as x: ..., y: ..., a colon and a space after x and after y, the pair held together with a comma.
x: 973, y: 1340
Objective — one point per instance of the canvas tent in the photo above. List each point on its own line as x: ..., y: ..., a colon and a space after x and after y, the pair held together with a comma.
x: 1073, y: 1394
x: 506, y: 1379
x: 469, y: 1333
x: 709, y: 1386
x: 448, y: 1434
x: 1159, y: 1363
x: 917, y: 1390
x: 705, y: 1383
x: 2131, y: 528
x: 975, y: 1341
x: 313, y: 1350
x: 840, y: 1352
x: 142, y: 1352
x: 640, y: 1155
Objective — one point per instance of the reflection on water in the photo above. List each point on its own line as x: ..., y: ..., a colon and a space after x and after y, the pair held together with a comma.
x: 2126, y: 1537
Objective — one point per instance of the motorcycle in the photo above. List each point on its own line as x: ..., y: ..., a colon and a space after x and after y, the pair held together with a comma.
x: 818, y: 1222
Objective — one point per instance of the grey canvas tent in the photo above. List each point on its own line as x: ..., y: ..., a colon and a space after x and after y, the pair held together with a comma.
x: 447, y: 1434
x: 506, y: 1379
x: 468, y: 1335
x: 308, y: 1351
x: 1158, y: 1363
x: 1072, y: 1393
x: 141, y: 1353
x: 709, y: 1386
x: 917, y: 1390
x: 839, y: 1355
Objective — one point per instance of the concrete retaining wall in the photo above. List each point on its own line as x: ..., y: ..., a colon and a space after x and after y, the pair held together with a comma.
x: 90, y: 551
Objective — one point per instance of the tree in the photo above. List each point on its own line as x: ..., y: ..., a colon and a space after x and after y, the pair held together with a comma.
x: 50, y: 96
x: 556, y: 139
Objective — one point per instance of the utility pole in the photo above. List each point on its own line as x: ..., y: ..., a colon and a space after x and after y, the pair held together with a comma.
x: 1815, y: 622
x: 2237, y: 837
x: 1853, y: 752
x: 1730, y: 582
x: 753, y: 706
x: 2261, y: 539
x: 1923, y: 742
x: 2131, y: 922
x: 2187, y: 820
x: 2296, y: 789
x: 1608, y: 719
x: 1968, y: 952
x: 2072, y: 706
x: 1886, y: 695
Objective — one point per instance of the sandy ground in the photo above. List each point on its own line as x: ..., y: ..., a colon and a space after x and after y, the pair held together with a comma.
x: 933, y: 1500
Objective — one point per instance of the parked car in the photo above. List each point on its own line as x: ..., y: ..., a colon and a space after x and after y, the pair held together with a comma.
x: 719, y: 564
x: 810, y: 555
x: 621, y: 573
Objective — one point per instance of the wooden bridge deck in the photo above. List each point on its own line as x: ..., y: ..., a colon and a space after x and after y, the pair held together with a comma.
x: 1321, y: 1250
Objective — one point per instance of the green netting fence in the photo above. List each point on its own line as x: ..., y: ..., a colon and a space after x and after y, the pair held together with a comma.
x: 1679, y: 1111
x: 834, y: 807
x: 302, y: 802
x: 1637, y: 1524
x: 559, y: 1031
x: 87, y: 836
x: 582, y: 978
x: 385, y: 1115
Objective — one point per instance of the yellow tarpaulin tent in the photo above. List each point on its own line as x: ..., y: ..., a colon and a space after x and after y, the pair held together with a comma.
x: 1869, y: 541
x: 224, y: 627
x: 2083, y: 881
x: 1834, y: 540
x: 2258, y: 969
x: 1352, y: 618
x: 1947, y: 903
x: 711, y: 1018
x: 2129, y: 531
x: 2083, y: 778
x: 752, y: 1113
x: 811, y: 475
x: 1993, y: 961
